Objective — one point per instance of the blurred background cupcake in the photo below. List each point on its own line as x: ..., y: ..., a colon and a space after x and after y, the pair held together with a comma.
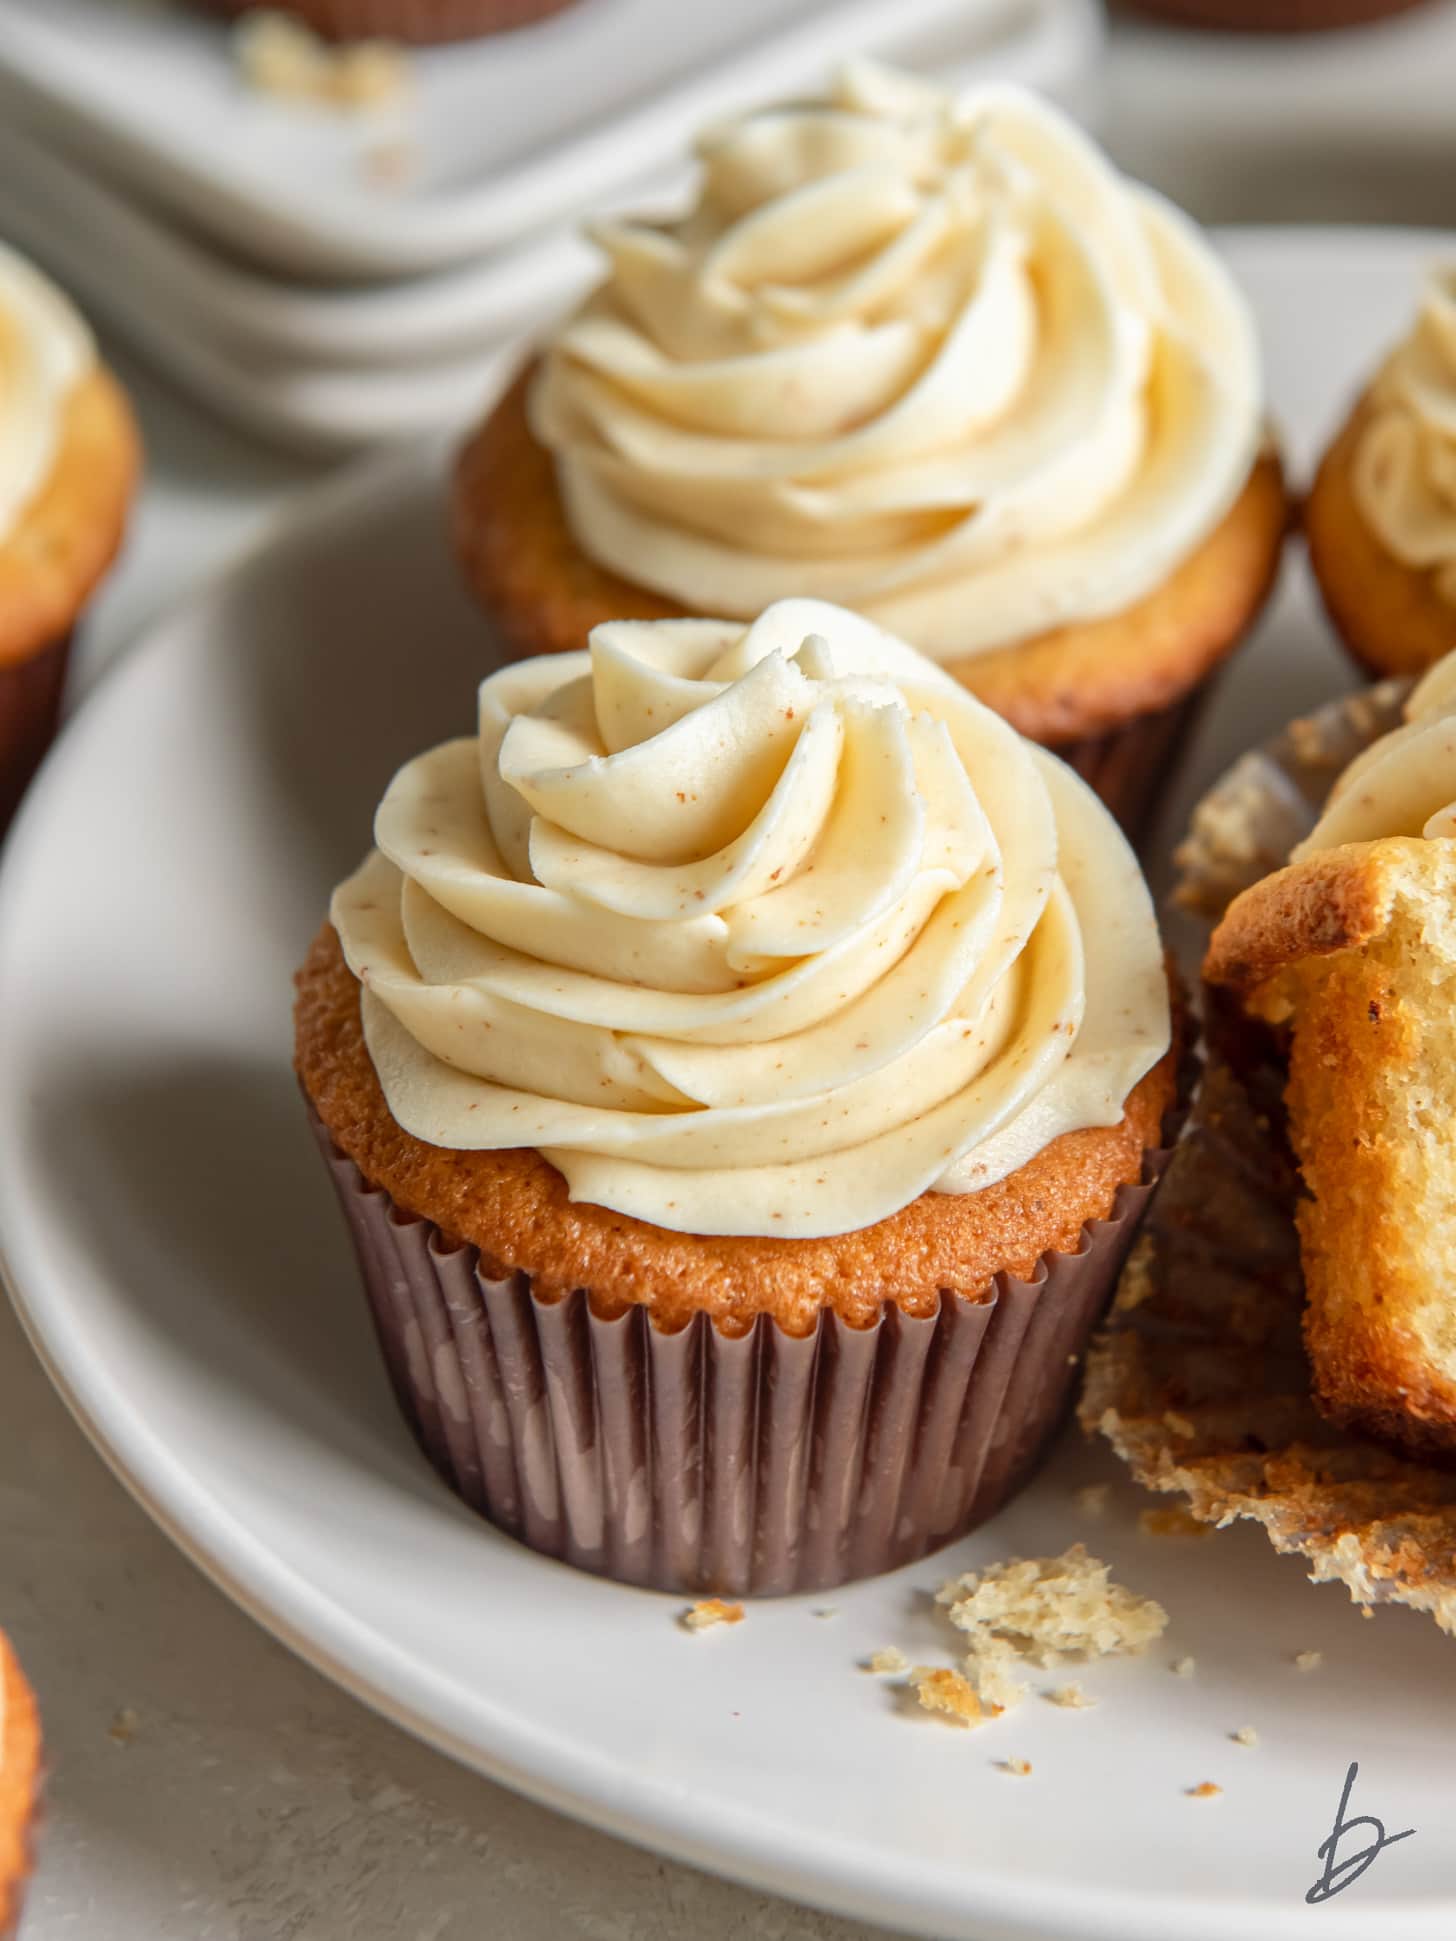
x: 1381, y: 516
x: 1275, y: 16
x: 69, y: 457
x: 19, y: 1776
x: 417, y: 21
x: 929, y: 357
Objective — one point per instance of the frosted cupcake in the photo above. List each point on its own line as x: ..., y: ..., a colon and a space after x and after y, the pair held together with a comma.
x: 1381, y: 515
x: 740, y: 1062
x: 932, y: 358
x: 68, y: 465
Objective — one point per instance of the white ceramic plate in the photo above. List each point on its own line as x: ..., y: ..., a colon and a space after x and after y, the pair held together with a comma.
x: 504, y: 134
x: 178, y: 1262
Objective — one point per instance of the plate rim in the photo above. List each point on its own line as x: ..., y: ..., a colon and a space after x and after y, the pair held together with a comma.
x: 354, y: 1654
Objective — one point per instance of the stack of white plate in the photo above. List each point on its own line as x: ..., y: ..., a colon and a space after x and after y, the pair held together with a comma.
x: 334, y: 280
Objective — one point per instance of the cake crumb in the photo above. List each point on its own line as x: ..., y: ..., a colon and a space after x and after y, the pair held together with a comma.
x: 1308, y: 1660
x: 1172, y: 1522
x: 1182, y: 1667
x: 122, y: 1729
x: 1021, y: 1767
x: 1205, y: 1790
x: 941, y: 1690
x: 826, y: 1612
x: 889, y: 1659
x: 280, y: 56
x: 1179, y: 1424
x: 1092, y: 1498
x: 1071, y: 1698
x: 708, y: 1612
x: 1245, y: 1736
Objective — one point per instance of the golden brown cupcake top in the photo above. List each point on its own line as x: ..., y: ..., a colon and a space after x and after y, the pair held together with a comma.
x: 931, y: 357
x: 763, y: 930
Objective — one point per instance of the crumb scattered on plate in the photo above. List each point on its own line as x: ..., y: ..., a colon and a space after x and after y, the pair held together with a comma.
x: 1071, y: 1698
x: 122, y: 1729
x: 1205, y: 1790
x: 939, y: 1689
x: 1308, y: 1660
x: 1172, y: 1522
x: 1044, y: 1610
x: 280, y: 56
x: 888, y: 1659
x: 1092, y: 1498
x: 708, y: 1612
x: 1021, y: 1767
x: 1245, y: 1736
x: 1182, y: 1667
x: 827, y: 1612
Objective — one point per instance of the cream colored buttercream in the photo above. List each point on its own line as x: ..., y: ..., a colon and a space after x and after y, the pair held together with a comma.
x: 751, y: 930
x: 1404, y: 474
x: 931, y: 357
x: 1405, y: 783
x: 45, y: 350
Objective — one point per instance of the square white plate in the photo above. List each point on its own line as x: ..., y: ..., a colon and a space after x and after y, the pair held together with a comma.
x: 505, y: 134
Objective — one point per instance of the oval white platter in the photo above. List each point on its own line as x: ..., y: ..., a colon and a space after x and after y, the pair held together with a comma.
x: 172, y: 1248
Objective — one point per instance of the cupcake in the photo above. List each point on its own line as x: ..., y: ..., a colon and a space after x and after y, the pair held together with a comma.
x: 1276, y: 16
x: 19, y: 1777
x: 68, y: 465
x: 741, y: 1062
x: 927, y: 356
x: 1279, y: 1347
x: 1348, y: 953
x: 1381, y: 515
x: 419, y: 22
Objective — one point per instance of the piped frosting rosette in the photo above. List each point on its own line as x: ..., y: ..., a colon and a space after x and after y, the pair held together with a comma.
x: 761, y: 930
x: 929, y: 356
x: 1404, y: 474
x: 1403, y: 784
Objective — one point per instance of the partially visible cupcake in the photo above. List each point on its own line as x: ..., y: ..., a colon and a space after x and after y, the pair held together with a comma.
x: 740, y: 1063
x: 1276, y: 16
x: 19, y: 1779
x: 418, y: 22
x: 930, y: 357
x: 68, y: 465
x: 1381, y: 515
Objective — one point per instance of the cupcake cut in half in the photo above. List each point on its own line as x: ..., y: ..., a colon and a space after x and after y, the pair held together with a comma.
x: 1350, y: 952
x: 742, y: 1011
x: 1381, y: 515
x: 19, y: 1779
x: 930, y: 357
x: 69, y: 457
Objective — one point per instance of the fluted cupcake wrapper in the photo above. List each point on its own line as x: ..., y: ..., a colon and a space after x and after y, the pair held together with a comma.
x: 695, y: 1461
x: 30, y: 710
x: 1128, y: 766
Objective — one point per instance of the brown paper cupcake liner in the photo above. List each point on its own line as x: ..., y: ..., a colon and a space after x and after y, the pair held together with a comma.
x: 1275, y: 16
x: 30, y: 709
x: 1128, y: 767
x: 698, y: 1461
x: 1201, y: 1382
x: 419, y: 22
